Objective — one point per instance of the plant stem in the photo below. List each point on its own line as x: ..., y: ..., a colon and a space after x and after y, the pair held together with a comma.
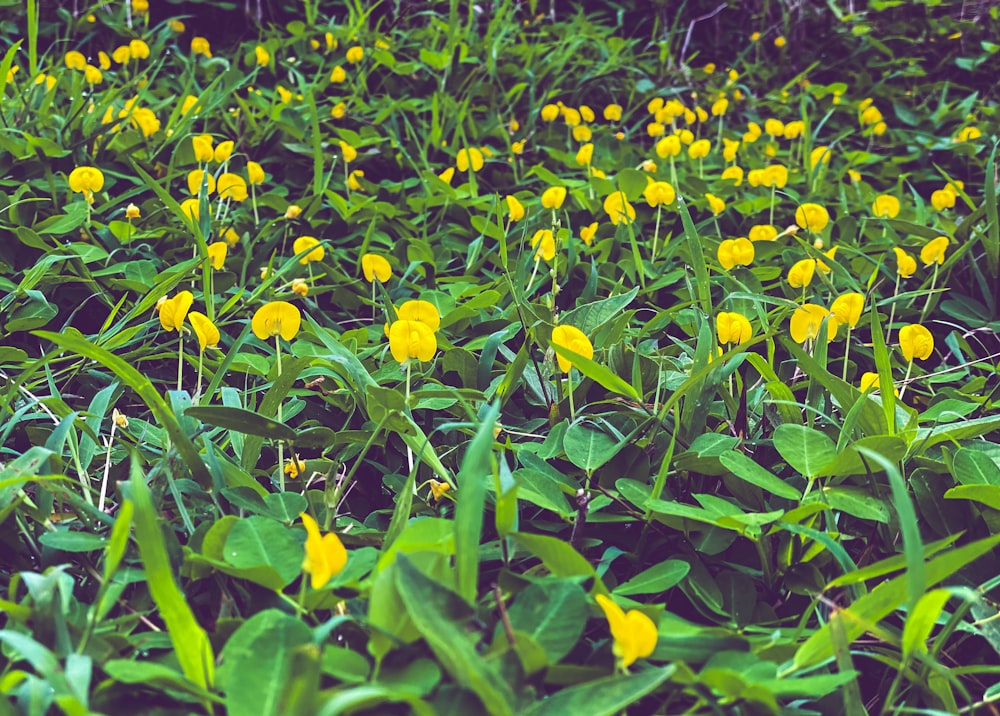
x: 180, y: 357
x: 569, y: 389
x: 281, y: 444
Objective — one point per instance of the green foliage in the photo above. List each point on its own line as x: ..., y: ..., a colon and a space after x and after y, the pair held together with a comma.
x: 318, y: 497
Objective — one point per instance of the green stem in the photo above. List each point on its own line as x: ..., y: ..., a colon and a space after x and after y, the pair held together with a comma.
x: 180, y: 356
x: 569, y: 389
x: 847, y: 352
x: 281, y: 444
x: 656, y: 231
x: 892, y: 310
x: 906, y: 381
x: 930, y: 292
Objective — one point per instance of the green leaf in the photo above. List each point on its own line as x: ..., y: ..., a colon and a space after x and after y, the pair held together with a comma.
x: 590, y: 317
x: 240, y: 420
x: 805, y: 449
x: 262, y: 542
x: 257, y: 661
x: 598, y: 373
x: 746, y: 468
x: 154, y: 675
x: 991, y: 237
x: 988, y: 495
x: 658, y: 578
x: 601, y: 697
x: 118, y: 541
x: 476, y: 472
x: 921, y: 620
x: 850, y: 461
x: 972, y: 467
x: 856, y: 501
x: 436, y: 611
x: 553, y: 614
x: 696, y: 255
x: 140, y: 384
x: 558, y: 557
x: 73, y: 541
x: 191, y: 644
x: 588, y: 447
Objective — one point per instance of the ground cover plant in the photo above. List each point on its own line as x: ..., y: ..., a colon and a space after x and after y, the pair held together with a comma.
x: 504, y: 359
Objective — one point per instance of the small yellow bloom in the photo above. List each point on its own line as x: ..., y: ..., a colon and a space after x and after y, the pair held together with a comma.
x: 255, y: 173
x: 178, y: 26
x: 573, y: 339
x: 819, y: 155
x: 806, y: 321
x: 293, y: 211
x: 75, y: 60
x: 699, y: 149
x: 885, y: 206
x: 588, y: 232
x: 146, y: 120
x: 189, y: 207
x: 201, y: 46
x: 585, y: 154
x: 353, y: 178
x: 420, y: 311
x: 515, y: 210
x: 262, y: 56
x: 447, y: 175
x: 140, y: 7
x: 775, y: 175
x: 968, y: 134
x: 348, y: 152
x: 553, y: 197
x: 801, y: 273
x: 186, y: 106
x: 655, y: 129
x: 942, y: 199
x: 174, y: 310
x: 325, y: 554
x: 774, y: 127
x: 121, y: 54
x: 736, y: 252
x: 355, y: 54
x: 906, y: 265
x: 338, y: 75
x: 634, y: 633
x: 206, y: 332
x: 132, y: 211
x: 300, y: 287
x: 780, y: 42
x: 613, y: 112
x: 544, y: 244
x: 374, y: 267
x: 304, y: 243
x: 719, y: 107
x: 659, y: 193
x: 138, y: 49
x: 217, y: 254
x: 582, y: 133
x: 232, y: 186
x: 570, y: 116
x: 716, y: 204
x: 732, y: 328
x: 202, y: 144
x: 794, y: 129
x: 734, y: 174
x: 619, y: 209
x: 438, y: 489
x: 812, y: 217
x: 230, y: 237
x: 549, y: 113
x: 469, y: 158
x: 411, y: 339
x: 669, y: 146
x: 871, y: 115
x: 763, y: 232
x: 517, y: 147
x: 197, y: 179
x: 294, y: 467
x: 86, y: 180
x: 223, y: 151
x: 119, y: 418
x: 103, y: 60
x: 276, y: 318
x: 915, y: 341
x: 848, y: 308
x: 934, y: 250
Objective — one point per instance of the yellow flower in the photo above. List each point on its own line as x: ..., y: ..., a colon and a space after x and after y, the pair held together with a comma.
x: 308, y: 242
x: 121, y: 54
x: 634, y: 633
x: 775, y: 175
x: 793, y: 130
x: 469, y: 158
x: 230, y: 237
x: 92, y: 75
x: 255, y: 173
x: 119, y: 418
x: 916, y: 342
x: 348, y: 152
x: 293, y: 211
x: 879, y: 129
x: 854, y: 176
x: 619, y: 209
x: 716, y: 204
x: 553, y: 197
x: 648, y: 165
x: 780, y: 42
x: 300, y: 287
x: 146, y: 120
x: 374, y: 267
x: 942, y: 199
x: 699, y: 149
x: 819, y: 155
x: 201, y: 46
x: 906, y: 265
x: 338, y: 75
x: 420, y: 311
x: 206, y: 332
x: 549, y: 113
x: 571, y: 338
x: 812, y: 217
x: 719, y: 107
x: 352, y: 180
x: 763, y: 232
x: 735, y: 252
x: 325, y: 554
x: 174, y: 310
x: 871, y: 115
x: 545, y: 243
x: 517, y: 147
x: 189, y: 207
x: 86, y: 180
x: 729, y: 149
x: 829, y: 254
x: 294, y: 467
x: 223, y: 151
x: 847, y: 308
x: 885, y: 206
x: 132, y: 211
x: 659, y: 193
x: 178, y: 26
x: 217, y: 254
x: 582, y: 133
x: 103, y: 60
x: 732, y: 328
x: 198, y: 178
x: 933, y: 251
x: 276, y: 318
x: 447, y: 175
x: 655, y: 129
x: 138, y: 49
x: 411, y: 339
x: 355, y: 54
x: 613, y: 112
x: 232, y: 186
x: 669, y: 146
x: 806, y: 321
x: 262, y: 56
x: 801, y: 273
x: 585, y: 154
x: 202, y: 144
x: 514, y: 208
x: 968, y: 134
x: 438, y: 489
x: 571, y: 116
x: 774, y: 127
x: 140, y: 7
x: 753, y: 133
x: 588, y: 232
x: 75, y: 60
x: 733, y: 173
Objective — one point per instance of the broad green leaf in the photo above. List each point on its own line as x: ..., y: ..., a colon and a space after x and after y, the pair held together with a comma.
x: 191, y: 644
x: 601, y: 697
x: 746, y: 468
x: 988, y: 495
x: 850, y: 461
x: 590, y: 317
x: 805, y: 449
x: 257, y: 663
x: 597, y: 373
x: 72, y: 340
x: 73, y: 541
x: 262, y: 542
x: 658, y: 578
x: 553, y: 614
x: 921, y: 620
x: 971, y: 467
x: 856, y: 501
x: 558, y: 557
x: 589, y: 447
x: 240, y: 420
x: 436, y: 612
x: 154, y: 675
x: 473, y: 477
x: 360, y: 699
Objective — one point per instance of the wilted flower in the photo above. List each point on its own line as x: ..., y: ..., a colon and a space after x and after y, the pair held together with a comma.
x: 293, y: 211
x: 300, y: 287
